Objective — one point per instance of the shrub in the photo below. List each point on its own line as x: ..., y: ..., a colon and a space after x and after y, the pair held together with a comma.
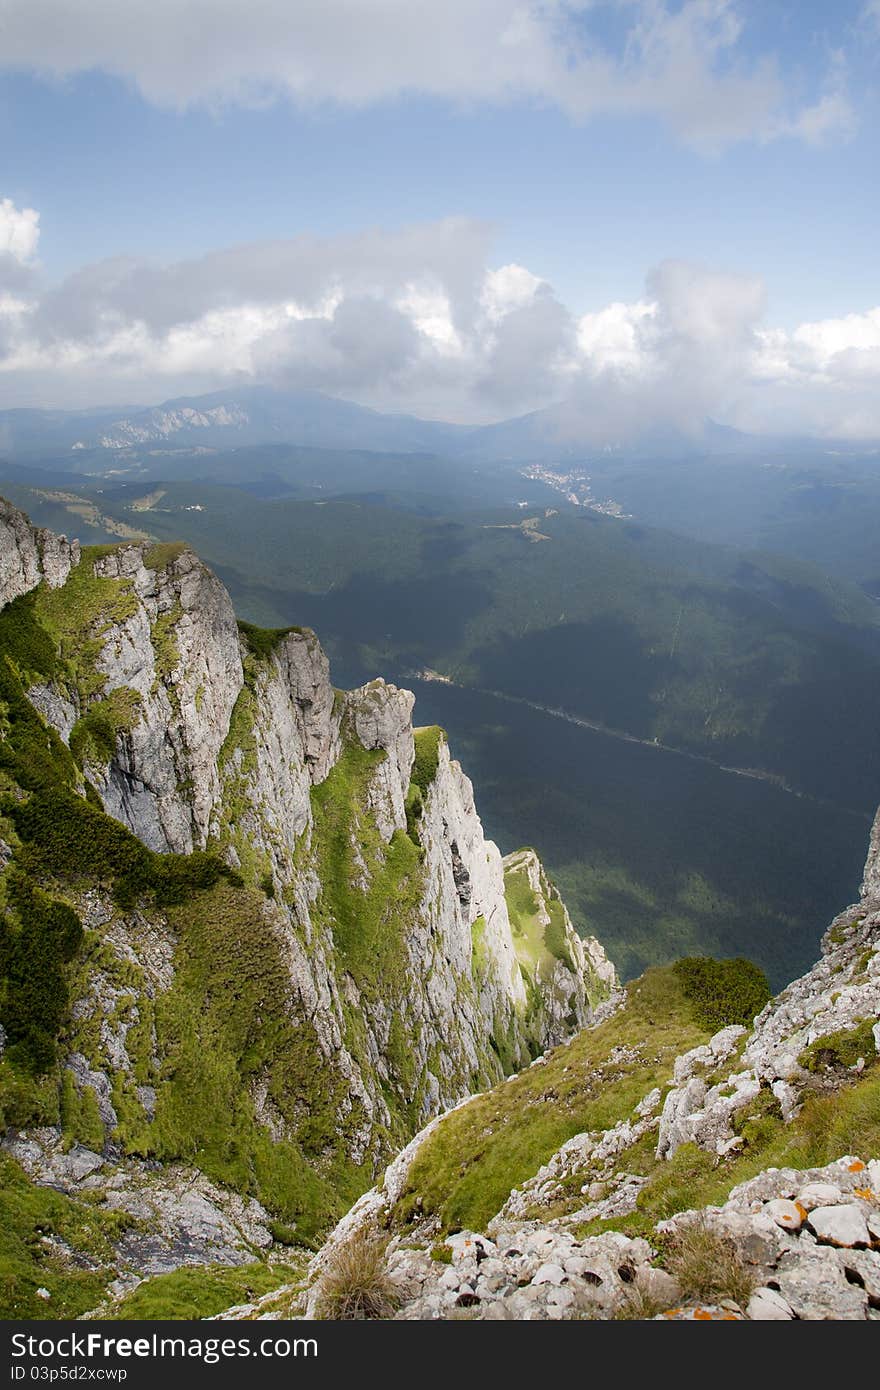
x: 356, y: 1283
x: 33, y: 958
x: 722, y: 992
x: 69, y: 838
x: 708, y: 1266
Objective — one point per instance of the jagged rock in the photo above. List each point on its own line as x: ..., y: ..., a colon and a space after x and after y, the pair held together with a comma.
x: 871, y: 879
x: 211, y: 755
x: 814, y: 1284
x: 29, y: 555
x: 569, y: 978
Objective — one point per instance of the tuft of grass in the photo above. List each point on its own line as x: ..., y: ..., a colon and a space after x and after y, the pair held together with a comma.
x: 356, y: 1283
x: 840, y: 1049
x: 708, y: 1265
x: 639, y: 1305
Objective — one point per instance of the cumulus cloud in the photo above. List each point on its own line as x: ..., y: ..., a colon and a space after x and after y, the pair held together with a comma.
x: 419, y: 319
x: 19, y: 231
x: 682, y: 63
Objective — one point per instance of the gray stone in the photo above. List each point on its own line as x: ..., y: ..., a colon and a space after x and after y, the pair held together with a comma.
x: 785, y: 1213
x: 819, y: 1194
x: 766, y: 1305
x: 812, y: 1281
x: 842, y: 1225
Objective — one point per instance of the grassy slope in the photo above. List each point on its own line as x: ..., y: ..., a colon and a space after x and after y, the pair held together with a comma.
x: 479, y: 1153
x: 49, y: 1241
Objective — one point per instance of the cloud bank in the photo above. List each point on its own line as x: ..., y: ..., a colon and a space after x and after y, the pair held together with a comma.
x: 686, y: 64
x: 419, y: 319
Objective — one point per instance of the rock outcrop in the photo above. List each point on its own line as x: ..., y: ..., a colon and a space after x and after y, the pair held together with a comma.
x: 29, y: 555
x: 565, y: 973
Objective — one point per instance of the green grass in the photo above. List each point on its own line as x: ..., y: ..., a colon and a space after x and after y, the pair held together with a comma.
x: 466, y: 1169
x: 841, y: 1049
x: 77, y: 615
x: 202, y: 1292
x: 369, y: 921
x: 226, y: 1022
x: 160, y: 556
x: 262, y: 641
x: 34, y: 1221
x: 427, y: 744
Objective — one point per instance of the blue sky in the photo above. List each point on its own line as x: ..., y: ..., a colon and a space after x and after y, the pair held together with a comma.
x: 585, y: 144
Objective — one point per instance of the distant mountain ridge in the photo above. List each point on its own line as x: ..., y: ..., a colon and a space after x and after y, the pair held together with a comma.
x: 252, y: 415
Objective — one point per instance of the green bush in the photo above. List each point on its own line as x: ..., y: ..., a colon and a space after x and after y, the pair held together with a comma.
x: 70, y: 839
x: 33, y: 954
x: 24, y: 640
x: 722, y: 992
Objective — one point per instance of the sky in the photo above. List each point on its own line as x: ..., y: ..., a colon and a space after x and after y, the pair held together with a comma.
x: 656, y: 211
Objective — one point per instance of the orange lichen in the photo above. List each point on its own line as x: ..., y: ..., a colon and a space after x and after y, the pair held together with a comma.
x: 701, y: 1315
x: 865, y: 1193
x: 856, y: 1166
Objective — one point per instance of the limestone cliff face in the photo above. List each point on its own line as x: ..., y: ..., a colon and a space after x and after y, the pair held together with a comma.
x: 381, y: 902
x: 29, y: 555
x: 179, y: 651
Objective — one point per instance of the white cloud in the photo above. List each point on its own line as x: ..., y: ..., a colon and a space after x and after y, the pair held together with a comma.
x: 611, y: 336
x: 509, y: 287
x: 680, y: 63
x: 19, y: 232
x: 419, y: 319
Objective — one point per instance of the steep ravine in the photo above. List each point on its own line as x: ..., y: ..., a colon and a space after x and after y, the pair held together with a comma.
x: 275, y: 939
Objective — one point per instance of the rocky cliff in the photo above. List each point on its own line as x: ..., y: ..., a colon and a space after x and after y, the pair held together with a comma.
x: 657, y: 1164
x: 286, y: 941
